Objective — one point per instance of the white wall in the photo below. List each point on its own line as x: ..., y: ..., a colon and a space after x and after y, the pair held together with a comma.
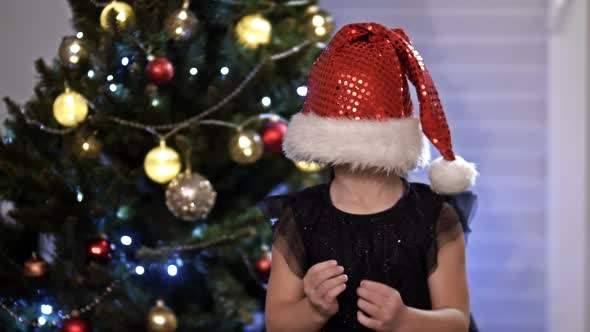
x: 568, y: 231
x: 29, y: 29
x: 489, y: 59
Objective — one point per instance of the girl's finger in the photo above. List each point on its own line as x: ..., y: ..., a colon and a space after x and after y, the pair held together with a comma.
x: 371, y: 296
x: 331, y: 283
x: 377, y: 287
x: 368, y: 322
x: 369, y: 308
x: 322, y: 275
x: 334, y: 292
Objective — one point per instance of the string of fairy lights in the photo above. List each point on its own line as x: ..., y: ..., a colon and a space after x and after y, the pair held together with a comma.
x: 162, y: 163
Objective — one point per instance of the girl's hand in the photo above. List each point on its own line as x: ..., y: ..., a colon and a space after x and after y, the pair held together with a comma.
x: 382, y: 303
x: 322, y: 283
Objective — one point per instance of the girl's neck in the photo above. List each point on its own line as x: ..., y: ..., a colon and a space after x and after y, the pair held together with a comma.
x: 364, y: 192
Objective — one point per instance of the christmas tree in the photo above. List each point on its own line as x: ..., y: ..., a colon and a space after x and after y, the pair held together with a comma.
x: 129, y: 181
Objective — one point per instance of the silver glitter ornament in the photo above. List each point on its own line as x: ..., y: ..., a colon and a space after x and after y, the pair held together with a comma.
x: 72, y: 51
x: 190, y: 196
x: 181, y: 24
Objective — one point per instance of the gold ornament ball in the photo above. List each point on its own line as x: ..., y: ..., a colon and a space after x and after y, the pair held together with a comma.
x: 319, y: 23
x: 309, y: 166
x: 124, y: 16
x: 72, y: 51
x: 190, y: 196
x: 162, y: 164
x: 246, y: 147
x: 181, y: 24
x: 254, y: 30
x: 70, y: 108
x: 161, y: 319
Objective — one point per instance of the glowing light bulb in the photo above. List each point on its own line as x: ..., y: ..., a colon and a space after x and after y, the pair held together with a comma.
x: 91, y: 73
x: 172, y: 270
x: 139, y: 270
x: 86, y: 146
x: 266, y: 101
x: 193, y: 71
x: 110, y: 78
x: 125, y: 61
x: 224, y: 71
x: 126, y: 240
x: 41, y: 321
x: 113, y: 87
x: 302, y: 91
x: 46, y: 309
x: 80, y: 35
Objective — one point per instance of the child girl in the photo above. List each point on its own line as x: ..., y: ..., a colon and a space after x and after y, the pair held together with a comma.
x: 369, y: 250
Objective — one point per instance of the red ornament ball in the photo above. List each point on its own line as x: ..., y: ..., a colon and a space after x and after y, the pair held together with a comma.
x: 99, y: 250
x: 76, y: 324
x: 263, y: 265
x: 160, y: 70
x: 273, y: 135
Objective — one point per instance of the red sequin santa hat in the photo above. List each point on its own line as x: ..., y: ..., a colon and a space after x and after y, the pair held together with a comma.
x: 358, y: 110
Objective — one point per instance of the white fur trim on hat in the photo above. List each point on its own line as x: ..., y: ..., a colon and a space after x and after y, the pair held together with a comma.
x: 451, y: 177
x: 396, y: 145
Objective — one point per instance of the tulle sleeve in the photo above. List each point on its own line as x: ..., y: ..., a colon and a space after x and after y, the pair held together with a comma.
x: 287, y: 233
x: 453, y: 220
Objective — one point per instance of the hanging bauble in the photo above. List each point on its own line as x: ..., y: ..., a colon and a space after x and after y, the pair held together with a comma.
x: 162, y: 163
x: 70, y: 108
x: 160, y: 70
x: 181, y: 24
x: 254, y: 30
x: 124, y: 16
x: 309, y: 166
x: 190, y: 196
x: 35, y: 267
x: 76, y: 324
x: 161, y: 319
x: 263, y: 265
x: 99, y: 250
x: 246, y: 147
x: 72, y: 51
x: 273, y: 135
x: 319, y: 23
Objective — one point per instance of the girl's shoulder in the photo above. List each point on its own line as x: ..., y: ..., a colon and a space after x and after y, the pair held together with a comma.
x: 298, y: 204
x: 463, y: 204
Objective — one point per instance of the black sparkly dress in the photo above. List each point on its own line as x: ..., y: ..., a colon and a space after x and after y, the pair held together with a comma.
x: 397, y: 247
